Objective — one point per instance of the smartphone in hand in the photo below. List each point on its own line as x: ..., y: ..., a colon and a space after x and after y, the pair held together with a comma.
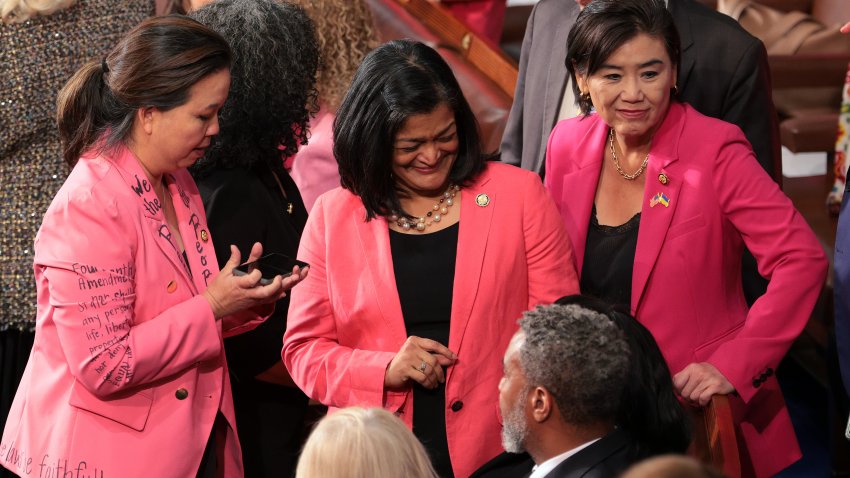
x: 270, y: 266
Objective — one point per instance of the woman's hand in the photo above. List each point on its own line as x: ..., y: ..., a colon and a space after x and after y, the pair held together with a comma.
x: 422, y: 360
x: 228, y: 293
x: 846, y: 28
x: 697, y: 383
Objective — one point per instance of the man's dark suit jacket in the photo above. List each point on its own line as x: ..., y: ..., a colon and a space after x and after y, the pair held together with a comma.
x: 606, y: 458
x: 723, y: 73
x: 842, y: 290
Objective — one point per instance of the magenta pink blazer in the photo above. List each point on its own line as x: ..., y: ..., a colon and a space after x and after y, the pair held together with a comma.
x: 127, y: 372
x: 345, y: 321
x: 686, y: 284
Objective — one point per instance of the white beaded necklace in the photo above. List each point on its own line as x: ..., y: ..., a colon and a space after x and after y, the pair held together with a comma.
x: 438, y: 210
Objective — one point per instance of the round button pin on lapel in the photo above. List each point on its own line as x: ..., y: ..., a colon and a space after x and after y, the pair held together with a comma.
x: 482, y: 200
x: 171, y: 287
x: 205, y: 235
x: 662, y: 178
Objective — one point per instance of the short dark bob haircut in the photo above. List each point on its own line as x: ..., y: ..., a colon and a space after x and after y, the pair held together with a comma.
x: 272, y: 87
x: 605, y: 25
x: 397, y: 80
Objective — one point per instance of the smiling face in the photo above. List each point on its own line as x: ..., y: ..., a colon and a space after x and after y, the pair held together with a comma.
x: 180, y: 135
x: 631, y: 89
x: 513, y: 391
x: 424, y: 151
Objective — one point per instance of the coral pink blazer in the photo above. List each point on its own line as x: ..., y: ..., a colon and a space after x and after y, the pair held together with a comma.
x: 686, y: 284
x: 345, y: 321
x: 127, y: 373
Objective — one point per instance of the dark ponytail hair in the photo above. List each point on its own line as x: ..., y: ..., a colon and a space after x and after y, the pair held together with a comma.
x: 154, y: 65
x: 649, y: 409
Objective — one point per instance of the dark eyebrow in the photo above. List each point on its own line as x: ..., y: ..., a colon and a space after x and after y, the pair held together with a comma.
x: 422, y: 140
x: 653, y: 62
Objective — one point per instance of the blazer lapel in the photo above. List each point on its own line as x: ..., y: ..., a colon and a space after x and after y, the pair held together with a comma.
x: 137, y: 181
x: 686, y: 37
x: 191, y: 221
x: 374, y: 239
x: 655, y: 215
x: 473, y: 234
x: 579, y: 186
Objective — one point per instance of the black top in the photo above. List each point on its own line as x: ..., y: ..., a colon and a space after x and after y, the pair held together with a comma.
x: 424, y: 266
x: 609, y: 258
x: 244, y: 207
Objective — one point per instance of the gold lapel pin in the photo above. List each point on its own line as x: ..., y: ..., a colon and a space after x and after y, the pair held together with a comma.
x: 663, y: 179
x: 482, y: 200
x: 171, y: 287
x: 205, y: 235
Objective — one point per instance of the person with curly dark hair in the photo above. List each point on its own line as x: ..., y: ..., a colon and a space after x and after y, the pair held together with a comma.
x: 249, y: 197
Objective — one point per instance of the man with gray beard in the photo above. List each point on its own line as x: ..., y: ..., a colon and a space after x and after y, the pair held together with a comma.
x: 565, y: 372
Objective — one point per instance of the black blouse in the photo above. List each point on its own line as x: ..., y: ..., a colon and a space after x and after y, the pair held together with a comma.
x: 609, y: 258
x: 424, y: 266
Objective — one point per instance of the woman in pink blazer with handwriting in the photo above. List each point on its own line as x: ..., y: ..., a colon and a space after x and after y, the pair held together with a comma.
x: 127, y: 376
x: 422, y: 263
x: 659, y: 202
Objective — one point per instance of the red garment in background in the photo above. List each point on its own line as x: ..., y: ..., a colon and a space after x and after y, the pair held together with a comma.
x: 484, y: 17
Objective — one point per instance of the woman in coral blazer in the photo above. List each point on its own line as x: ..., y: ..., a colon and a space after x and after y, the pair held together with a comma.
x: 411, y: 310
x: 659, y: 202
x: 127, y: 375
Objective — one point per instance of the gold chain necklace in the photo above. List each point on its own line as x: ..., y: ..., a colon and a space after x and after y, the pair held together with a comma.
x: 630, y: 177
x: 440, y: 209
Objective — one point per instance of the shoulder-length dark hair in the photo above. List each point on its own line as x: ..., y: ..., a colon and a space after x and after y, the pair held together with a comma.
x: 154, y: 65
x: 395, y: 81
x: 603, y: 26
x: 649, y: 409
x: 272, y: 83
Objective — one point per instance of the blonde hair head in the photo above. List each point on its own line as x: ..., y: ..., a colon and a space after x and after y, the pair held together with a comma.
x: 363, y: 443
x: 17, y: 11
x: 346, y: 34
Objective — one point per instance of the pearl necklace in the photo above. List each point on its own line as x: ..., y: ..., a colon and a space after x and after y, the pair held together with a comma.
x: 630, y: 177
x: 438, y: 210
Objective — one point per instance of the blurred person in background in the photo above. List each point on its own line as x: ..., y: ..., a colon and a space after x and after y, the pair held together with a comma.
x: 346, y: 34
x: 360, y: 442
x: 249, y: 197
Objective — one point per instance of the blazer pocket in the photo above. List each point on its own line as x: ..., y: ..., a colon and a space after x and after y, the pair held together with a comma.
x: 686, y: 226
x: 707, y: 348
x: 131, y: 411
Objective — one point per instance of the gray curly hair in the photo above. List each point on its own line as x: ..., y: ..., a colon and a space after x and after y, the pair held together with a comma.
x: 580, y: 356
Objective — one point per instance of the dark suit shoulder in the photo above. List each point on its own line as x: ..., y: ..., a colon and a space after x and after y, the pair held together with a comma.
x: 606, y: 458
x: 712, y: 26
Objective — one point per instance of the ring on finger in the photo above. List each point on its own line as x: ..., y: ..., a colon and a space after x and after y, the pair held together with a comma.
x: 423, y: 366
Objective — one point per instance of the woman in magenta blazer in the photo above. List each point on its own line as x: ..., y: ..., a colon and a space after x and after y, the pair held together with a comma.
x: 422, y: 263
x: 127, y: 376
x: 659, y: 202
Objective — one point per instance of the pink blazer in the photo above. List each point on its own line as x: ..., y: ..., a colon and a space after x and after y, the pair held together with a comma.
x: 686, y: 284
x: 127, y: 373
x: 345, y: 320
x: 314, y: 168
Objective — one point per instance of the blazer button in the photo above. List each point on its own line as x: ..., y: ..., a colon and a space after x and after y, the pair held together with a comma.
x: 456, y: 406
x: 181, y: 394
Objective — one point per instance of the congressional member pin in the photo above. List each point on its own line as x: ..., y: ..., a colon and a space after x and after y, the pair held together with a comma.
x: 171, y: 287
x: 482, y: 200
x: 663, y: 179
x: 205, y: 235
